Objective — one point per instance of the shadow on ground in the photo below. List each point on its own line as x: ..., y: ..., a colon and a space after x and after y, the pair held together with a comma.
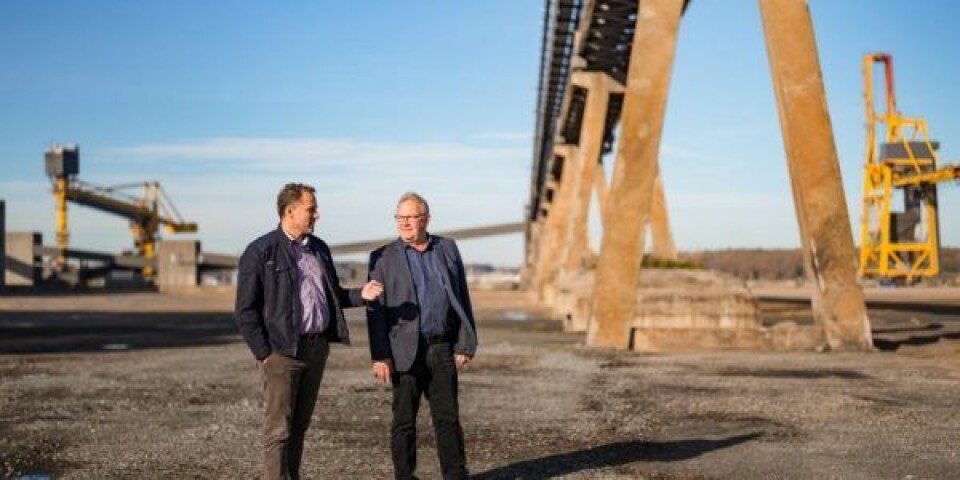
x: 611, y: 455
x: 65, y: 332
x: 894, y: 344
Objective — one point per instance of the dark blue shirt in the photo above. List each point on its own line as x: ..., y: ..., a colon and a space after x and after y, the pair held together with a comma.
x: 431, y: 296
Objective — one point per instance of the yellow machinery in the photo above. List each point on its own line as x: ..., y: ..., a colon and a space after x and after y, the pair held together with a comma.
x: 902, y: 246
x: 146, y: 213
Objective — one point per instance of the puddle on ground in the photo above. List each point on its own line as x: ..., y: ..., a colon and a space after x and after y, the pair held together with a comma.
x: 515, y: 316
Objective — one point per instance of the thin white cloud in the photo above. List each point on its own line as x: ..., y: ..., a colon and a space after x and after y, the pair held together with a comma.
x: 299, y: 154
x: 228, y: 186
x: 736, y: 203
x: 675, y: 151
x: 730, y: 132
x: 24, y: 188
x: 503, y: 136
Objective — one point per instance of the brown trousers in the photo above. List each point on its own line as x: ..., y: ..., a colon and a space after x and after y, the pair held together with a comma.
x: 290, y: 387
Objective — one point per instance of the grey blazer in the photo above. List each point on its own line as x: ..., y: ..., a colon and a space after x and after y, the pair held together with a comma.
x: 393, y: 320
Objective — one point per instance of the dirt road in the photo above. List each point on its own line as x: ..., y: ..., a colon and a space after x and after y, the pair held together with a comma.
x: 160, y: 386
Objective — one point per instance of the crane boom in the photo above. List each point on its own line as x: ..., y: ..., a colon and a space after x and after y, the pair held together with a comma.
x: 134, y: 212
x: 146, y: 213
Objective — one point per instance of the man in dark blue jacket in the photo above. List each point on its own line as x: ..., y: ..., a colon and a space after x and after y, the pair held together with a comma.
x: 421, y: 333
x: 289, y: 308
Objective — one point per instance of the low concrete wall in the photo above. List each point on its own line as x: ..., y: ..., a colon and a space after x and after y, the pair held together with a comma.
x: 686, y: 311
x: 177, y: 263
x: 22, y: 263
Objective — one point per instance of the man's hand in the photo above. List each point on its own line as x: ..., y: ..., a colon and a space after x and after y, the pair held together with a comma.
x: 382, y: 370
x: 461, y: 360
x: 371, y: 290
x: 266, y: 359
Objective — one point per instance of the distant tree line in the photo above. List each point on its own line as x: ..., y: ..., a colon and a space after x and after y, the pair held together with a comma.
x: 779, y: 264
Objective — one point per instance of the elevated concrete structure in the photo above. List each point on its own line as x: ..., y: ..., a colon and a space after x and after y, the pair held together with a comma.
x: 633, y: 44
x: 459, y: 234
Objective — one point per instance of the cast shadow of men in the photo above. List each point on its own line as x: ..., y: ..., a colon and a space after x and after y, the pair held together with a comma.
x: 611, y: 455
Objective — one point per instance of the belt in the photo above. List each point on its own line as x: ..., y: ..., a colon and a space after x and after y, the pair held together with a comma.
x: 313, y: 336
x: 435, y: 339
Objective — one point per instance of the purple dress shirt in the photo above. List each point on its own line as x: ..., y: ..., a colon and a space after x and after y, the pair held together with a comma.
x: 313, y: 297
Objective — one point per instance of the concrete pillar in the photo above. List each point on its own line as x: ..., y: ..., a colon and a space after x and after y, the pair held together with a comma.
x: 177, y: 263
x: 599, y: 86
x: 554, y: 230
x: 531, y: 241
x: 3, y: 243
x: 23, y: 265
x: 662, y: 246
x: 827, y: 240
x: 631, y: 188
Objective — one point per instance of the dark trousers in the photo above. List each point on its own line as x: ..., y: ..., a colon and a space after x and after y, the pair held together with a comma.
x: 290, y: 387
x: 433, y: 374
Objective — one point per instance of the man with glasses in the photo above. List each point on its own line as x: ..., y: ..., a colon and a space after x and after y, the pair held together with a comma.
x: 289, y: 308
x: 421, y: 333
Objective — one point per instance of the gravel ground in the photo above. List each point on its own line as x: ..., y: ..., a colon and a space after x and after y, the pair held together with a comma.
x: 160, y: 386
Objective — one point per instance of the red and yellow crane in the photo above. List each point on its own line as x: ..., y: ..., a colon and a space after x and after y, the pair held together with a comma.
x: 899, y: 245
x: 146, y: 212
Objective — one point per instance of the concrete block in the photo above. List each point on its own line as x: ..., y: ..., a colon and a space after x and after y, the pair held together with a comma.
x: 572, y: 299
x: 22, y: 262
x: 789, y: 336
x: 177, y: 263
x: 672, y: 340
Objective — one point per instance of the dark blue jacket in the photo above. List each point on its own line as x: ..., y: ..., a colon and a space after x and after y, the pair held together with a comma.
x: 268, y: 307
x: 393, y: 320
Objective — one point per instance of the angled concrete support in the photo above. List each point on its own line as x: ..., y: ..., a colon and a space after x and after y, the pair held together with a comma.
x: 630, y: 196
x: 827, y: 240
x: 599, y: 86
x: 662, y: 246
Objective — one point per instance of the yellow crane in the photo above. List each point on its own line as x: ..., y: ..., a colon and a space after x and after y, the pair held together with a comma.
x: 899, y: 245
x: 146, y: 213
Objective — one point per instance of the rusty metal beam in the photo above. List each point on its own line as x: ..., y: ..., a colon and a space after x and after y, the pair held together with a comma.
x: 827, y: 240
x: 631, y: 188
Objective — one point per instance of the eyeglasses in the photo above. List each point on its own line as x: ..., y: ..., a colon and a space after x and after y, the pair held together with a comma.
x: 404, y: 218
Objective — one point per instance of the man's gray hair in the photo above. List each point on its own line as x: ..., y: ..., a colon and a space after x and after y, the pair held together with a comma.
x: 415, y: 197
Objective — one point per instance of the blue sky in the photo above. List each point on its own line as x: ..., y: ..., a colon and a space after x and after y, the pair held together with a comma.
x: 223, y: 103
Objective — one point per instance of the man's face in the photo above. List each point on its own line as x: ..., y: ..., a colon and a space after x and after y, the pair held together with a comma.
x: 412, y: 220
x: 301, y: 216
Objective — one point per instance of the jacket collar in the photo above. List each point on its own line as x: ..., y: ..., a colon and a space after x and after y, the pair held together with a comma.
x: 400, y: 245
